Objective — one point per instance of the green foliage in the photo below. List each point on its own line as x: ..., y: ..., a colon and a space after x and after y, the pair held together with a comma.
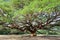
x: 18, y: 7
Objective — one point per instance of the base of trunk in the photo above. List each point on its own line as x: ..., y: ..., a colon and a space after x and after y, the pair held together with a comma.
x: 33, y: 34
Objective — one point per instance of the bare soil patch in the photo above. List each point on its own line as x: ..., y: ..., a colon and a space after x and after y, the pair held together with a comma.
x: 19, y: 37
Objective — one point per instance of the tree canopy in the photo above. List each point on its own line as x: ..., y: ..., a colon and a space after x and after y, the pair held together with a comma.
x: 12, y: 10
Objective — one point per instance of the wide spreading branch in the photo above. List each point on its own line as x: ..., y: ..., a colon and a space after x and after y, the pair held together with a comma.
x: 32, y: 23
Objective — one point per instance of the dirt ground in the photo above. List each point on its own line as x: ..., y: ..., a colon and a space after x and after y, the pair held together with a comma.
x: 18, y: 37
